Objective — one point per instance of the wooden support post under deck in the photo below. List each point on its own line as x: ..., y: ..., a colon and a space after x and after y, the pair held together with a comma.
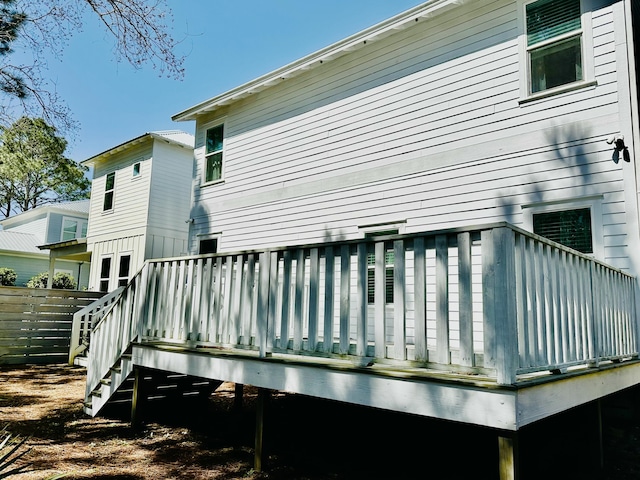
x: 136, y: 400
x: 238, y: 397
x: 263, y: 395
x: 508, y: 456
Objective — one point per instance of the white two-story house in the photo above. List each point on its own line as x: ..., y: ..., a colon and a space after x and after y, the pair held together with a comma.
x: 140, y: 205
x: 437, y: 215
x: 451, y: 114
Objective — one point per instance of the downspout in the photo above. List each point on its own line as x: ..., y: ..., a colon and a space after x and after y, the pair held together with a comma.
x: 633, y: 116
x: 627, y: 7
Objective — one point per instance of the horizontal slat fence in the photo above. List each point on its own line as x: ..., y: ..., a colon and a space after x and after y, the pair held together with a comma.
x: 494, y: 299
x: 35, y: 324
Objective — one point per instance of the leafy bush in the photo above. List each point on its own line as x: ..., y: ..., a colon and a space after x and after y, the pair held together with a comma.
x: 60, y: 280
x: 8, y: 277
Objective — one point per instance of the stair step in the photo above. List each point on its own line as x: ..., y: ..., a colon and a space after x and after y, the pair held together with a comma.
x: 96, y: 393
x: 105, y: 381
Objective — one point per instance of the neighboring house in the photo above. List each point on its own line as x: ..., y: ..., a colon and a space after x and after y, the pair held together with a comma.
x: 140, y: 199
x: 23, y: 236
x: 489, y: 111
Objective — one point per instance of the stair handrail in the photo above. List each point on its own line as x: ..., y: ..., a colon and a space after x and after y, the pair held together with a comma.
x: 121, y: 323
x: 91, y: 314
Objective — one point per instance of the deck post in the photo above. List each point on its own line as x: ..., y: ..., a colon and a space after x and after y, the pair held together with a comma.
x: 238, y: 397
x: 508, y: 453
x: 499, y: 303
x: 137, y: 398
x: 263, y: 395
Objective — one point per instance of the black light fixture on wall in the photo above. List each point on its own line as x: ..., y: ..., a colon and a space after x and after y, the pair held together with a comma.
x: 619, y: 146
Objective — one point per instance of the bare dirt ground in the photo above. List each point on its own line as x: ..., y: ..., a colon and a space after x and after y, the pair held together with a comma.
x: 304, y: 438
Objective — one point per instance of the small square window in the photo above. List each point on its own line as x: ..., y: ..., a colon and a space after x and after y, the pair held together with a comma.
x: 571, y: 228
x: 209, y: 245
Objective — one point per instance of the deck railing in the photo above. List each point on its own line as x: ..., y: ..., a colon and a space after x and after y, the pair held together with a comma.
x: 495, y: 299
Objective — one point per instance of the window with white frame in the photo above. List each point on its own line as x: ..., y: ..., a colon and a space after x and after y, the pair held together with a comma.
x: 208, y: 245
x: 124, y: 267
x: 389, y: 259
x: 214, y: 153
x: 109, y: 187
x: 554, y: 44
x: 574, y: 224
x: 73, y: 228
x: 105, y: 273
x: 388, y: 276
x: 571, y: 228
x: 135, y: 171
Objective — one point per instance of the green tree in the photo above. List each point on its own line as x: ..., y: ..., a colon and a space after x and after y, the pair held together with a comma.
x: 40, y: 29
x: 34, y: 170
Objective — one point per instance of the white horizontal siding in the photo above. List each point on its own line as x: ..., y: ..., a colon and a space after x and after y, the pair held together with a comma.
x: 424, y: 127
x: 130, y: 195
x: 170, y: 188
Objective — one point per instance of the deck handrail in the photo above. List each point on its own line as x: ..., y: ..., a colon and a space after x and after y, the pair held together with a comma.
x: 492, y: 298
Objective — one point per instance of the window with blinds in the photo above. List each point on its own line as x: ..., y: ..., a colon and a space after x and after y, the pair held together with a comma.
x: 554, y: 43
x: 571, y: 228
x: 371, y: 277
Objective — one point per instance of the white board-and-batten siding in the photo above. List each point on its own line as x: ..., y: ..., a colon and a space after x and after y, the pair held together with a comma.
x: 424, y: 128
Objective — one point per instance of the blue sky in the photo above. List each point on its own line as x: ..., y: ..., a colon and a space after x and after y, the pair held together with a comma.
x: 226, y: 43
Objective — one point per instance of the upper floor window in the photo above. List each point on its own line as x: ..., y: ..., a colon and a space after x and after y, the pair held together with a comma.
x: 136, y: 170
x: 213, y: 153
x: 73, y: 228
x: 554, y: 43
x: 109, y: 187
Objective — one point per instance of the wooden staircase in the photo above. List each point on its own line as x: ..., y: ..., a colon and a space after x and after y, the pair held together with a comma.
x: 117, y: 389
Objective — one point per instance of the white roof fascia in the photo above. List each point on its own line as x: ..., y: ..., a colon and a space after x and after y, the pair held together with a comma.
x: 172, y: 136
x: 359, y: 40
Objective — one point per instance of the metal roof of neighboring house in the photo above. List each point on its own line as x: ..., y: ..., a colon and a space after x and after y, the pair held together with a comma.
x: 401, y: 21
x: 20, y: 243
x: 177, y: 137
x: 78, y: 207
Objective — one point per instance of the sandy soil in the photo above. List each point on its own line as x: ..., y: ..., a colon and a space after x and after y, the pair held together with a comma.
x: 305, y: 438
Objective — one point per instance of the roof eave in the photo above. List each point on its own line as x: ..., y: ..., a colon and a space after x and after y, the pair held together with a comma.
x: 314, y: 60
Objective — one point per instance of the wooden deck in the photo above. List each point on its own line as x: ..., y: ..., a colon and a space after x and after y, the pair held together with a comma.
x: 490, y: 326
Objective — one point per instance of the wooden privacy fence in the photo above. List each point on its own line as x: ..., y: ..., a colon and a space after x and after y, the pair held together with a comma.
x: 493, y: 298
x: 35, y: 324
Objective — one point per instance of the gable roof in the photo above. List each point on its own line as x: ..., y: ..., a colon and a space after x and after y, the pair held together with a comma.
x: 360, y: 40
x: 176, y: 137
